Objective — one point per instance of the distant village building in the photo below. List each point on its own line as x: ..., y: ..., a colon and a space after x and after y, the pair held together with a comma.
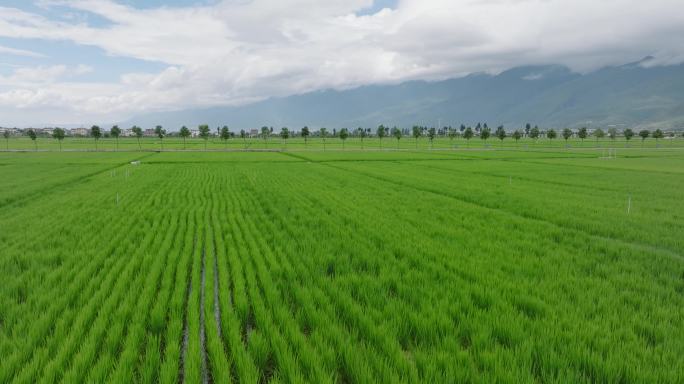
x: 149, y: 132
x: 253, y: 133
x: 80, y: 132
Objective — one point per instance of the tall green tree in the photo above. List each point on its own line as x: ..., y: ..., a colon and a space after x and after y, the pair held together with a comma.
x: 137, y: 131
x: 95, y: 133
x: 284, y: 134
x: 644, y: 133
x: 432, y: 132
x: 381, y: 132
x: 243, y: 135
x: 516, y: 135
x: 567, y: 134
x: 225, y: 135
x: 204, y: 134
x: 116, y: 132
x: 534, y: 133
x: 551, y: 134
x: 416, y: 132
x: 485, y: 132
x: 34, y: 137
x: 160, y: 132
x: 500, y: 133
x: 628, y: 133
x: 468, y: 134
x: 362, y: 134
x: 396, y: 132
x: 184, y: 133
x: 582, y: 133
x: 612, y: 133
x: 599, y: 134
x: 452, y: 134
x: 658, y: 134
x: 324, y: 134
x: 305, y: 134
x: 58, y: 134
x: 265, y: 133
x: 344, y: 134
x: 528, y: 128
x: 6, y: 135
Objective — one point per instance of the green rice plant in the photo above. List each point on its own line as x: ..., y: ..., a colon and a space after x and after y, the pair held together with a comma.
x: 401, y: 265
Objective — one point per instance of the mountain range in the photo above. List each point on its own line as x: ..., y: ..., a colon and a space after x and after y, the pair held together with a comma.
x: 631, y: 95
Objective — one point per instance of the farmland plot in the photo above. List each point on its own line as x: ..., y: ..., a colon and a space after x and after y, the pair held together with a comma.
x: 492, y: 266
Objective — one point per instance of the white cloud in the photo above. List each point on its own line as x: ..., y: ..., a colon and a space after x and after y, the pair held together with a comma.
x: 20, y: 52
x: 42, y: 75
x: 240, y: 51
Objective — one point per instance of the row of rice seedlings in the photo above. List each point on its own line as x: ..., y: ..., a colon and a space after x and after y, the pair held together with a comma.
x: 259, y: 319
x: 130, y: 279
x: 334, y: 296
x: 141, y: 298
x: 192, y: 357
x: 328, y: 226
x: 44, y: 328
x: 150, y: 363
x: 329, y: 322
x: 219, y: 362
x: 60, y: 327
x: 317, y: 320
x: 175, y: 313
x: 307, y: 356
x: 69, y: 336
x: 81, y: 290
x: 92, y: 346
x: 236, y: 318
x: 231, y: 288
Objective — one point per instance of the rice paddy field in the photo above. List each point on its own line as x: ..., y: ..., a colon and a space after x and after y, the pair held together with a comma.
x: 297, y: 143
x: 511, y: 264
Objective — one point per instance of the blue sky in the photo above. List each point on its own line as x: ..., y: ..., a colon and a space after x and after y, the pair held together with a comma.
x: 95, y: 61
x: 105, y: 67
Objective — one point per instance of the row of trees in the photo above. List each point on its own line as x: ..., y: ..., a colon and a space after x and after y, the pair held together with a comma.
x: 582, y: 134
x: 481, y: 131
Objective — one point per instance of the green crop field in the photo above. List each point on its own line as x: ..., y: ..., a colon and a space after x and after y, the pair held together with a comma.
x: 529, y: 263
x: 274, y: 143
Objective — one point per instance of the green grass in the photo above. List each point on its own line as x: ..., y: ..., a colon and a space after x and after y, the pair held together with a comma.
x: 84, y: 144
x: 466, y: 265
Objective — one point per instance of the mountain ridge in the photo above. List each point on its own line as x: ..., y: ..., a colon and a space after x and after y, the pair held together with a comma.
x: 629, y: 95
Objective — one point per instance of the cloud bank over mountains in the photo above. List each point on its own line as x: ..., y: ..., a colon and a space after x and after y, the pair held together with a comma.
x: 235, y: 52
